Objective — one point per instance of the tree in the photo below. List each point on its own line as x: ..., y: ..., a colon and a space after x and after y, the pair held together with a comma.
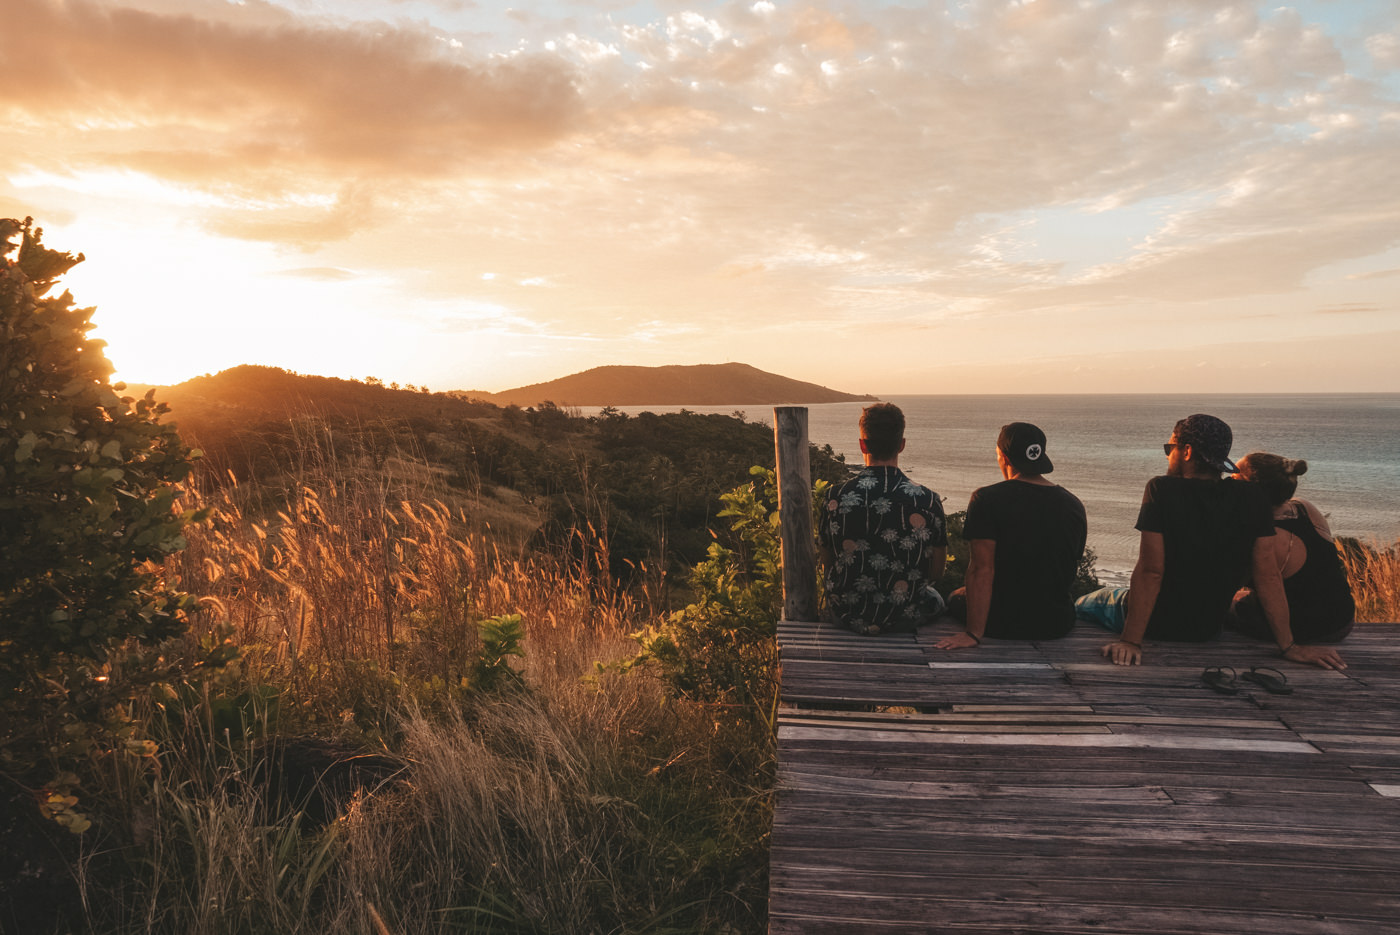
x: 86, y: 497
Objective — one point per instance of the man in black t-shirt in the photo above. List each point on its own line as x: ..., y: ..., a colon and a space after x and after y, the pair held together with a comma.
x: 1202, y: 537
x: 1026, y: 536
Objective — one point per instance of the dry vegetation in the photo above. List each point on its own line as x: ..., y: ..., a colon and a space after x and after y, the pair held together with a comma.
x: 1375, y: 581
x: 579, y: 800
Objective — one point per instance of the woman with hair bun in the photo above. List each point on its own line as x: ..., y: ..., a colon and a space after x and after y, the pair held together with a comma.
x: 1320, y: 605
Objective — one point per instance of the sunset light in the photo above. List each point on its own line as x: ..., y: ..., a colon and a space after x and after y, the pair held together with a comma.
x: 752, y: 467
x: 471, y: 196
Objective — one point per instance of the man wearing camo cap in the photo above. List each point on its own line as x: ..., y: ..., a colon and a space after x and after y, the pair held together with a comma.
x: 1202, y: 538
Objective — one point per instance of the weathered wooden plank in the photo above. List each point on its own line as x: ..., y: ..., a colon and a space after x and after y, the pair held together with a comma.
x: 1197, y: 813
x: 1008, y: 830
x: 1272, y: 782
x: 790, y: 779
x: 823, y: 913
x: 1288, y: 895
x: 1067, y: 739
x: 1040, y: 717
x: 964, y: 853
x: 956, y: 728
x: 1273, y: 887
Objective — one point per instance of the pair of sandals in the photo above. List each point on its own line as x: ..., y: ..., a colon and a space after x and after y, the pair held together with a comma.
x: 1222, y: 679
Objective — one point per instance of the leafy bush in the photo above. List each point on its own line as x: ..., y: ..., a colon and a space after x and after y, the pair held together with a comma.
x: 565, y: 807
x: 720, y: 648
x: 87, y: 503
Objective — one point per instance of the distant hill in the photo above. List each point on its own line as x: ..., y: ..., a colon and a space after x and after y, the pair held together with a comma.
x: 251, y: 393
x: 698, y: 385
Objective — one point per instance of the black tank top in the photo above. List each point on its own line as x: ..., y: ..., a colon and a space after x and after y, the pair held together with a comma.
x: 1319, y: 596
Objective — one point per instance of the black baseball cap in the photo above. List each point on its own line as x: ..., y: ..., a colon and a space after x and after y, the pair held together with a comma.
x: 1208, y: 437
x: 1024, y: 446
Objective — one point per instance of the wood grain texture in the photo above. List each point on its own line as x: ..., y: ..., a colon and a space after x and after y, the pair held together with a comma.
x: 1033, y: 788
x: 795, y: 508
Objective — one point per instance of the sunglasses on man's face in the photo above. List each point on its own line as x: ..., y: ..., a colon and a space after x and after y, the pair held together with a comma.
x: 1168, y: 446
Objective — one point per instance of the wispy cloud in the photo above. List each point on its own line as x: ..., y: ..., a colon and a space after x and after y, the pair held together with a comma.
x: 745, y: 169
x: 320, y: 273
x: 272, y: 103
x: 1377, y: 274
x: 1351, y: 308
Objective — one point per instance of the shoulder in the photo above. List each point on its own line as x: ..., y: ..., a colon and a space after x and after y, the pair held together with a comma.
x: 1070, y: 500
x: 904, y: 484
x: 1318, y: 518
x: 1160, y: 486
x: 850, y: 483
x: 1246, y: 491
x: 983, y: 499
x: 991, y: 491
x: 1304, y: 507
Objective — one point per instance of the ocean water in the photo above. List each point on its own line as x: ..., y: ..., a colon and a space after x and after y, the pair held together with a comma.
x: 1106, y: 447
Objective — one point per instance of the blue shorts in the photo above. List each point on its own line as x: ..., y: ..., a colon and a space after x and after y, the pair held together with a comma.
x: 1108, y: 607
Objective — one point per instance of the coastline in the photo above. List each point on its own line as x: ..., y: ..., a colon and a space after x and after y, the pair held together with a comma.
x: 1106, y: 448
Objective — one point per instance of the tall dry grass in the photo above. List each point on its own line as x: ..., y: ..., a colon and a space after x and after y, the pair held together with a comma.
x: 587, y: 802
x: 1374, y: 572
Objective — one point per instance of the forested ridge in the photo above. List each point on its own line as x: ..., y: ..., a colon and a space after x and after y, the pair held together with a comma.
x: 648, y: 483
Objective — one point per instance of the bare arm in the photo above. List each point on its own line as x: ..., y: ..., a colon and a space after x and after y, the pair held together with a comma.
x: 1268, y: 586
x: 1143, y: 588
x: 981, y: 569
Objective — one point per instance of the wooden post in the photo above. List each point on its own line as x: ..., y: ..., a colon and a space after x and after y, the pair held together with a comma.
x: 795, y: 513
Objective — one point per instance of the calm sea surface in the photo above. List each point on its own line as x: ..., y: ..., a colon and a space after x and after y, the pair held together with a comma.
x: 1106, y: 447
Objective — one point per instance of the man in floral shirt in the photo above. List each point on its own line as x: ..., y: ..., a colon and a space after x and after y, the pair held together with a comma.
x: 883, y: 537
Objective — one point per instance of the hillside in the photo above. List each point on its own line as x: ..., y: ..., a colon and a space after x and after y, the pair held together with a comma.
x: 650, y: 484
x: 254, y: 392
x: 699, y: 385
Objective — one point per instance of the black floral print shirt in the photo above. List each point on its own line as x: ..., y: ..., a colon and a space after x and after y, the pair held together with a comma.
x: 880, y: 526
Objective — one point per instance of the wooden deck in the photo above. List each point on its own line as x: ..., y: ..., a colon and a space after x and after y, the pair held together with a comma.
x: 1036, y: 788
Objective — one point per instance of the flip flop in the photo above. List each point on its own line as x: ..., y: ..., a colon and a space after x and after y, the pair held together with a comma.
x: 1276, y: 684
x: 1217, y: 679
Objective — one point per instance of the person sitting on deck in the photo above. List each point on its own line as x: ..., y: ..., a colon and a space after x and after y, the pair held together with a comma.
x: 1200, y: 537
x: 1027, y: 538
x: 1320, y: 605
x: 883, y: 537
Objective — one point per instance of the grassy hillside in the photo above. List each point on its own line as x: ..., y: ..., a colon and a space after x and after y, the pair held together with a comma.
x: 646, y: 486
x: 388, y: 715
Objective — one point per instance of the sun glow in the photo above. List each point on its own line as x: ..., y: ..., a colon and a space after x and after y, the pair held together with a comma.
x: 176, y: 304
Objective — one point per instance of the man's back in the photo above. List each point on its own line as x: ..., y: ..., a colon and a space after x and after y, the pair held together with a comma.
x: 1039, y: 531
x: 1208, y: 530
x: 880, y: 527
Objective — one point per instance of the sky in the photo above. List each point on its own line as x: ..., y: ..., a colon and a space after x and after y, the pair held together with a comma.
x: 990, y: 196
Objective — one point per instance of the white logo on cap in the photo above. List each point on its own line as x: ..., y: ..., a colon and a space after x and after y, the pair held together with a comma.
x: 1033, y: 453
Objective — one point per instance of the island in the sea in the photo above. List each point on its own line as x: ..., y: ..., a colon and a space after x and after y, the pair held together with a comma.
x: 251, y: 393
x: 696, y: 385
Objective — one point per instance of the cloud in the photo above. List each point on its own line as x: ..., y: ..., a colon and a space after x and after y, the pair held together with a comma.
x: 319, y: 273
x: 750, y: 170
x: 1384, y: 49
x: 233, y: 102
x: 1350, y: 308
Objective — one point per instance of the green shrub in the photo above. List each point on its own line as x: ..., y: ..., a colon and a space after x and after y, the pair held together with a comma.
x: 87, y: 504
x: 721, y: 648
